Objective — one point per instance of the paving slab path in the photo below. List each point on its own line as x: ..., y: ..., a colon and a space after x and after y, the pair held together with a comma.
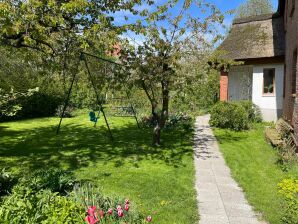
x: 220, y: 199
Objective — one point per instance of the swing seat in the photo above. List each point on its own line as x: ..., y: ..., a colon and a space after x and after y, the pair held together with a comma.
x: 92, y: 116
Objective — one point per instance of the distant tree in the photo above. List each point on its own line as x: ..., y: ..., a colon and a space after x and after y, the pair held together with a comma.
x: 254, y: 8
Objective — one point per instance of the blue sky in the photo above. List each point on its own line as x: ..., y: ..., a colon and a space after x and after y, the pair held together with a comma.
x: 223, y: 5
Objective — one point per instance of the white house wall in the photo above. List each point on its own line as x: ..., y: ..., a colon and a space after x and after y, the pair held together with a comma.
x: 271, y: 106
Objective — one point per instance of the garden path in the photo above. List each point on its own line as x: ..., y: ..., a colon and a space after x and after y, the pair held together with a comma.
x: 220, y: 199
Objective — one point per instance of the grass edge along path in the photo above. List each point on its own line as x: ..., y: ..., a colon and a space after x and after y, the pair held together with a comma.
x: 253, y: 164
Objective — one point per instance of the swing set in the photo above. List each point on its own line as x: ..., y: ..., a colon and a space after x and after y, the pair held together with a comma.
x: 92, y: 115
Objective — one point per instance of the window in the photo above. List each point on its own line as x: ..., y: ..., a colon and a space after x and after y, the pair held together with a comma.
x: 268, y: 81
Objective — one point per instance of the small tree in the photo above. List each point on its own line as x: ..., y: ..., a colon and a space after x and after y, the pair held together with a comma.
x: 154, y: 65
x: 254, y: 8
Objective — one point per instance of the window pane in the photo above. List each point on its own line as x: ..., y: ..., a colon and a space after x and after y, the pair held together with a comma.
x: 269, y: 81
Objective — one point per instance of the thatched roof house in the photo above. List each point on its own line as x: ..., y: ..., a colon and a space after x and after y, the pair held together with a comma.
x: 259, y: 42
x: 255, y: 37
x: 268, y: 45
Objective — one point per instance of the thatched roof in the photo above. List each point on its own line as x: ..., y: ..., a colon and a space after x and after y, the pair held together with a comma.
x: 255, y: 37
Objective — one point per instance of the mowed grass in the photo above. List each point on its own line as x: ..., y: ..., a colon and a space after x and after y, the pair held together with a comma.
x: 254, y: 165
x: 159, y: 181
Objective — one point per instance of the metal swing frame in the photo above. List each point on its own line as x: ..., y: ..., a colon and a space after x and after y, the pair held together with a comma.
x: 134, y: 114
x: 99, y: 102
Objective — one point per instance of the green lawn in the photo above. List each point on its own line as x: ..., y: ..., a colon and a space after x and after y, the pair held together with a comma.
x: 159, y: 180
x: 254, y: 165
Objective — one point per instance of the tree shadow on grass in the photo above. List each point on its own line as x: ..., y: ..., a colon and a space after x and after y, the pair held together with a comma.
x: 228, y: 136
x: 78, y: 146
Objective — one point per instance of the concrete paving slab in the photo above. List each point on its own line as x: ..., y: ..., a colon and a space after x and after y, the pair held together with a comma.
x: 220, y: 199
x: 214, y: 219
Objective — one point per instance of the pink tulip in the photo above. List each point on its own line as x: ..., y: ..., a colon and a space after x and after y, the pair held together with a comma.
x: 91, y: 220
x: 119, y: 207
x: 126, y: 207
x: 120, y: 213
x: 126, y: 201
x: 91, y: 210
x: 101, y: 213
x: 110, y: 211
x: 149, y: 218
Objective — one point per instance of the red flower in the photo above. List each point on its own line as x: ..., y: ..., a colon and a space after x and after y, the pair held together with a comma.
x: 101, y: 213
x: 149, y: 218
x: 119, y: 207
x: 126, y: 201
x: 110, y: 211
x: 91, y: 210
x: 120, y: 213
x: 126, y: 207
x: 91, y: 219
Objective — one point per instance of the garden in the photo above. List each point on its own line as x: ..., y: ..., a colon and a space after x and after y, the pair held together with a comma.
x: 98, y: 101
x: 94, y: 126
x: 49, y: 174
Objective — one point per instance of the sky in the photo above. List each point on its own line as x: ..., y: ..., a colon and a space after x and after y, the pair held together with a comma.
x: 223, y: 5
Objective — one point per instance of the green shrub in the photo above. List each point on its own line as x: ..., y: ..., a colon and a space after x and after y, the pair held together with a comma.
x: 7, y: 181
x: 288, y: 188
x: 54, y: 179
x: 67, y: 113
x: 179, y: 120
x: 148, y: 121
x: 253, y: 111
x: 174, y: 120
x: 38, y: 105
x: 59, y: 209
x: 27, y: 206
x: 229, y: 115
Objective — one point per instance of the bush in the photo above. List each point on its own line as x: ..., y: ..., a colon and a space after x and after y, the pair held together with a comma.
x: 38, y: 105
x: 50, y: 196
x: 148, y: 121
x: 7, y: 181
x: 229, y: 115
x: 41, y: 197
x: 27, y: 206
x: 67, y: 113
x: 253, y: 111
x: 54, y: 179
x: 173, y: 121
x: 288, y: 188
x: 179, y: 119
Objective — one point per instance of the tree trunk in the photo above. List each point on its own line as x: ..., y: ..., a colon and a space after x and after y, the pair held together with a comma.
x: 157, y: 128
x: 165, y: 103
x: 161, y: 120
x: 156, y: 135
